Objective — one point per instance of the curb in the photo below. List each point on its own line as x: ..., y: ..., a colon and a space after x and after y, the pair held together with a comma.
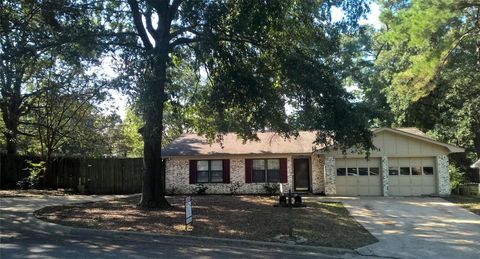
x: 321, y: 249
x: 62, y: 229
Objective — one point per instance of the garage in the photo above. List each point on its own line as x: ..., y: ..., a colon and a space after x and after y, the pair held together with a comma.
x: 412, y: 176
x: 358, y: 177
x: 404, y: 162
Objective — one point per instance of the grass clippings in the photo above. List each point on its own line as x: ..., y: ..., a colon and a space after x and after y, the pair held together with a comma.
x: 236, y: 217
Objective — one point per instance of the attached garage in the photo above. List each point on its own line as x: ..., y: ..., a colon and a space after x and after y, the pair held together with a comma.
x: 357, y: 176
x: 412, y: 176
x: 406, y: 163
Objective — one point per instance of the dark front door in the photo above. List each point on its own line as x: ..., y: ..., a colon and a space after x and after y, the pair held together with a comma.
x: 301, y: 170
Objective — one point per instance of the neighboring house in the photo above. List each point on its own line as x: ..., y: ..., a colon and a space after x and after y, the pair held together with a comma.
x: 408, y: 163
x: 477, y: 165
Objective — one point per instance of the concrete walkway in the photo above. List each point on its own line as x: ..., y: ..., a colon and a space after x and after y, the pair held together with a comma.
x: 24, y: 236
x: 417, y: 227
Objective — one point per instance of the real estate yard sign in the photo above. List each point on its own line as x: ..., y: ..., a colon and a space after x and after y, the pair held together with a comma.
x: 188, y: 212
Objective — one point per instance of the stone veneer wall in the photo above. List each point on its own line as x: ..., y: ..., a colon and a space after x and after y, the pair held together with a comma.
x: 330, y: 175
x: 177, y: 179
x: 318, y: 176
x: 443, y: 176
x: 385, y: 176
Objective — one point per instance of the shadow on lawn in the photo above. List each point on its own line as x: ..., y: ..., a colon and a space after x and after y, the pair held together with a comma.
x: 237, y: 217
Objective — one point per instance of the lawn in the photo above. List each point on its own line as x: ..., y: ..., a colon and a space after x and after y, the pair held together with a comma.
x: 471, y: 203
x: 237, y: 217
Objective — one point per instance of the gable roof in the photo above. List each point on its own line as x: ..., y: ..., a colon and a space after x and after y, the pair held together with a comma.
x: 418, y: 134
x: 269, y: 143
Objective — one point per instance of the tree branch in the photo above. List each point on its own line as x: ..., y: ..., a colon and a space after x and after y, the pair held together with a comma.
x: 137, y: 20
x: 174, y: 8
x: 180, y: 31
x: 148, y: 21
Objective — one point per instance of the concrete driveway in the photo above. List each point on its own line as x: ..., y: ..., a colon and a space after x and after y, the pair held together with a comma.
x: 417, y: 227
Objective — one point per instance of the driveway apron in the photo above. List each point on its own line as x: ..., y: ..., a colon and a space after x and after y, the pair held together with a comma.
x: 417, y: 227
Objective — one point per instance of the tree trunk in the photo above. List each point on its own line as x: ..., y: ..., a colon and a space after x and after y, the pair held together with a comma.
x: 153, y: 191
x: 11, y: 113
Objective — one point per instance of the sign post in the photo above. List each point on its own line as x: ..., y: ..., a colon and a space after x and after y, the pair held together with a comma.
x: 188, y: 212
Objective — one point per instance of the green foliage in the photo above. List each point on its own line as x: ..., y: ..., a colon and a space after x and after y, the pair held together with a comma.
x: 457, y: 177
x: 200, y: 189
x: 37, y: 37
x: 271, y: 188
x: 130, y: 132
x: 423, y: 69
x: 232, y: 68
x: 234, y: 187
x: 36, y: 172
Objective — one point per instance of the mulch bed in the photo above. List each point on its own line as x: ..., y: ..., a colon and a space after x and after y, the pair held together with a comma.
x: 237, y: 217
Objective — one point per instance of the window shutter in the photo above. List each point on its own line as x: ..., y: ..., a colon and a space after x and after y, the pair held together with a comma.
x: 193, y: 171
x: 226, y: 171
x: 248, y: 170
x: 283, y: 170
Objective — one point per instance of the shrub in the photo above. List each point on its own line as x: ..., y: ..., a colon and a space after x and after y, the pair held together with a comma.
x: 234, y: 187
x: 36, y: 172
x: 457, y: 177
x: 173, y: 190
x: 271, y: 188
x: 201, y: 189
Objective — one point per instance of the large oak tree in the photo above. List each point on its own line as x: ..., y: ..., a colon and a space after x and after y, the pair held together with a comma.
x: 253, y: 59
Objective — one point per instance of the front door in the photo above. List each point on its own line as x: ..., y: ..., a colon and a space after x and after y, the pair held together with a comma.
x: 301, y: 169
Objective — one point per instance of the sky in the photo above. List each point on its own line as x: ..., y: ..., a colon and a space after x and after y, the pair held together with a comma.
x: 119, y: 102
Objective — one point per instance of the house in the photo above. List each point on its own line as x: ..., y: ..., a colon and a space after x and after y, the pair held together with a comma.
x: 477, y: 165
x: 407, y: 163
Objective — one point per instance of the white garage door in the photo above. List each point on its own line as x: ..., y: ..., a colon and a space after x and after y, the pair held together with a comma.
x: 411, y: 176
x: 358, y: 177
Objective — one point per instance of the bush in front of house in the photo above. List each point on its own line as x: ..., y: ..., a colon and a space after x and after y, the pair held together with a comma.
x: 271, y: 188
x: 234, y: 187
x: 173, y: 190
x: 200, y: 189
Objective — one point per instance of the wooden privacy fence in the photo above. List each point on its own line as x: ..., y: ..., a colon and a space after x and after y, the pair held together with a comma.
x: 86, y: 175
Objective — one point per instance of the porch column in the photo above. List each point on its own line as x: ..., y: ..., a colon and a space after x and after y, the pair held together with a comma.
x: 443, y: 177
x: 330, y: 175
x: 384, y: 173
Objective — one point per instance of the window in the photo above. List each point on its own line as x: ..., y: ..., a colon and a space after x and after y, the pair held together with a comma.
x: 393, y: 171
x: 362, y: 171
x: 404, y: 170
x: 341, y: 171
x: 273, y: 170
x: 266, y: 170
x: 352, y: 171
x: 374, y: 171
x: 210, y: 171
x: 427, y: 170
x: 417, y: 170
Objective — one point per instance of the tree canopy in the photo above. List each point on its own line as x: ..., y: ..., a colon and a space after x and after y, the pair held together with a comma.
x: 423, y: 69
